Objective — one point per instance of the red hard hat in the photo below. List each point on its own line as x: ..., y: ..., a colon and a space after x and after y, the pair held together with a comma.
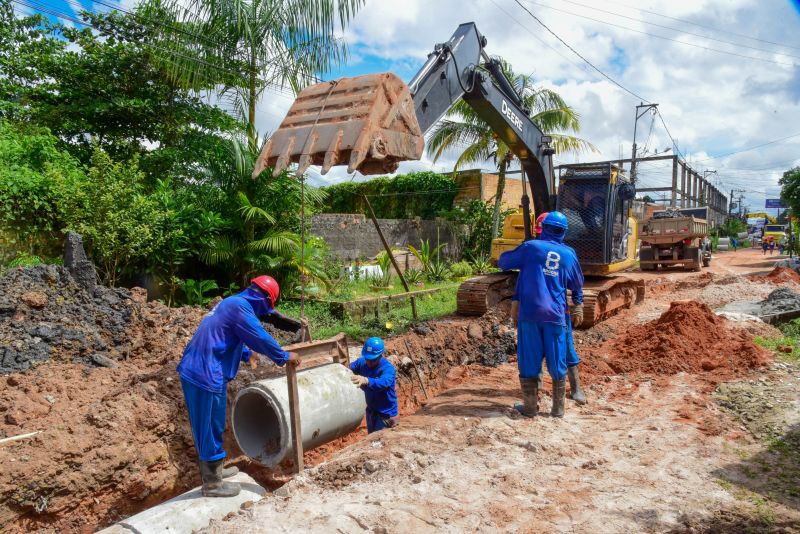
x: 269, y: 285
x: 539, y: 219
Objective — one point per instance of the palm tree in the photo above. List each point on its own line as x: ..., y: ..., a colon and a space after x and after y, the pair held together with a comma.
x: 245, y: 46
x: 462, y: 126
x: 259, y: 235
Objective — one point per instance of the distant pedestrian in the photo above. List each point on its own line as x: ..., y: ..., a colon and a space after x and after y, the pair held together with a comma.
x: 734, y: 243
x: 764, y: 247
x: 771, y: 245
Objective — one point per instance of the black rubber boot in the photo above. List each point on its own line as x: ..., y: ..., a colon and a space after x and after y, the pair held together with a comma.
x: 213, y: 485
x: 530, y: 397
x: 575, y: 391
x: 559, y: 397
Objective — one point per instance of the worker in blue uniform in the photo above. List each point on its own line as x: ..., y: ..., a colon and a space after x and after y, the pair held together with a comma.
x: 548, y: 268
x: 376, y: 376
x: 226, y: 336
x: 575, y: 390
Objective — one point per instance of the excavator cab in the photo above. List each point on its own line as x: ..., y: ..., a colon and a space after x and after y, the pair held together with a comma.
x: 598, y: 203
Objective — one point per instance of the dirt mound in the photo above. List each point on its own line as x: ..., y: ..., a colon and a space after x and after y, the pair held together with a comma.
x: 779, y: 275
x: 688, y: 337
x: 44, y: 314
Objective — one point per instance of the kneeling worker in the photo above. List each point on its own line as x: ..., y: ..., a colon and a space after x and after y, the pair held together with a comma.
x: 225, y: 338
x: 376, y: 376
x: 547, y: 268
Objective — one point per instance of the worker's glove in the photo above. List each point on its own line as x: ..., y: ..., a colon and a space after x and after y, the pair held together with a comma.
x: 577, y: 315
x: 359, y: 380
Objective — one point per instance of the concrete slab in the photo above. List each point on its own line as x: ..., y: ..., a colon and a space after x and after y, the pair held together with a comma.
x: 189, y: 511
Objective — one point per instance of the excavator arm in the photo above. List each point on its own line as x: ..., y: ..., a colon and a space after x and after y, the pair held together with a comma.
x: 375, y: 121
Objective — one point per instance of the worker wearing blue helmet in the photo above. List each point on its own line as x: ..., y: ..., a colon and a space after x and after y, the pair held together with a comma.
x: 547, y: 269
x: 376, y: 376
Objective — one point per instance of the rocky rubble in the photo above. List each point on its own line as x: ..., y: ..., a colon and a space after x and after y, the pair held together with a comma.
x: 45, y: 314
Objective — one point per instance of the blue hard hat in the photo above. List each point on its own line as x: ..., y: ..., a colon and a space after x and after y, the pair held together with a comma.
x: 555, y: 219
x: 373, y: 348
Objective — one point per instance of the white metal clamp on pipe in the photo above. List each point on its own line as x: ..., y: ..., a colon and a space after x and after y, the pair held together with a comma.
x: 330, y: 407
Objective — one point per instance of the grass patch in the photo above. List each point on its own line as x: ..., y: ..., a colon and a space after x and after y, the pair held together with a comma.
x: 357, y: 289
x: 790, y: 338
x: 398, y: 320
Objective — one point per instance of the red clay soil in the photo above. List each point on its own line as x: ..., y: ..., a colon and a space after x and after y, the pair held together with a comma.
x: 778, y: 276
x: 689, y: 338
x: 116, y: 440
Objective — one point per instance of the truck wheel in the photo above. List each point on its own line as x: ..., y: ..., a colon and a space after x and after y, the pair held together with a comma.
x: 697, y: 264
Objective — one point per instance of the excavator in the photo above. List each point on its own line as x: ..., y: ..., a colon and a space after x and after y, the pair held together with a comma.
x: 373, y: 122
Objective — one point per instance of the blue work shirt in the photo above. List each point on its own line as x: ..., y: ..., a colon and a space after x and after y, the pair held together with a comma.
x: 547, y: 268
x: 379, y: 393
x: 224, y: 339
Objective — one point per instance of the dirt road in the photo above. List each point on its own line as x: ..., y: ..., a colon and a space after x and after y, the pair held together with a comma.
x: 652, y: 452
x: 660, y: 447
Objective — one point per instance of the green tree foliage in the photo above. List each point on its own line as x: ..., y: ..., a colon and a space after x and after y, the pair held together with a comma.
x: 102, y: 86
x: 732, y: 227
x: 110, y: 209
x: 262, y: 218
x: 259, y: 42
x: 790, y: 188
x: 472, y: 225
x: 31, y: 165
x: 463, y: 127
x: 423, y: 194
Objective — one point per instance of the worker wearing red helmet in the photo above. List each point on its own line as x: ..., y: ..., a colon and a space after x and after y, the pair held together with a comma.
x: 225, y: 338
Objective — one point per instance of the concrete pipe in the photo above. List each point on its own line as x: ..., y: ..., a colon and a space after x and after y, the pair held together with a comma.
x: 330, y: 407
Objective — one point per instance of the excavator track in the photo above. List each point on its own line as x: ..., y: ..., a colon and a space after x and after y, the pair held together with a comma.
x: 604, y: 297
x: 479, y: 294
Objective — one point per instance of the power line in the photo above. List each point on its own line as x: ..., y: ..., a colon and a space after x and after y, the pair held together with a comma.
x: 663, y: 37
x: 685, y: 21
x: 751, y: 148
x: 669, y: 134
x: 678, y: 30
x: 606, y: 76
x: 533, y: 34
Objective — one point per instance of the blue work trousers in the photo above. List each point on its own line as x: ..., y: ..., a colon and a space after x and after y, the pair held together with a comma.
x: 537, y: 341
x: 207, y: 412
x: 377, y: 421
x: 572, y: 356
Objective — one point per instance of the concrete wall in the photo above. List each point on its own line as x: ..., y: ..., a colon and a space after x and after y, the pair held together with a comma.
x: 353, y: 236
x: 474, y: 185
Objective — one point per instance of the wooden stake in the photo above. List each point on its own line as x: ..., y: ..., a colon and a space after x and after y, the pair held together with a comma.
x: 294, y: 416
x: 391, y: 256
x: 419, y: 375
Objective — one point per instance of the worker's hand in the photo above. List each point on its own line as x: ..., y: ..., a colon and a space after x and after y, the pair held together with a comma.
x: 577, y: 315
x: 359, y: 380
x: 294, y: 360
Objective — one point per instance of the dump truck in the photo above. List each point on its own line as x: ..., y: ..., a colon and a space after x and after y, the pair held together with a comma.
x: 674, y: 237
x: 373, y: 122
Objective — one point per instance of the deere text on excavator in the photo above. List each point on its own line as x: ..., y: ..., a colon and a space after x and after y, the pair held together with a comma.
x: 373, y: 122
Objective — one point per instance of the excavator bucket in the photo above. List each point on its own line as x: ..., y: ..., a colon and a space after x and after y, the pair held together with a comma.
x: 367, y: 122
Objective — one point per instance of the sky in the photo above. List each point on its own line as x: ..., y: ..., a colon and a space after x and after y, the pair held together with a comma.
x: 725, y: 73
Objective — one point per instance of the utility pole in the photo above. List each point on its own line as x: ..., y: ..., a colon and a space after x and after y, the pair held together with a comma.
x: 646, y: 108
x: 730, y: 207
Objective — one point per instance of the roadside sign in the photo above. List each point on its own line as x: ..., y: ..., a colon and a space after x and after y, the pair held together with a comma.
x: 775, y: 203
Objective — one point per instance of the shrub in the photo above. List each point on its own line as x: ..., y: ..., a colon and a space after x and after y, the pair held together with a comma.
x: 461, y: 269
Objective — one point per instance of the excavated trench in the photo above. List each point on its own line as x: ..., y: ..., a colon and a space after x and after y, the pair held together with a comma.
x: 442, y: 351
x: 93, y: 371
